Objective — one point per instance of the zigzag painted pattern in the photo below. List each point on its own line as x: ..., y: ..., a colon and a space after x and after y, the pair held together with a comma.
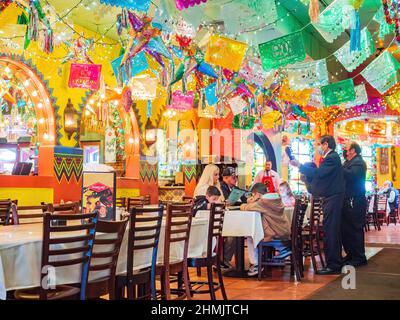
x: 190, y: 172
x: 68, y: 165
x: 148, y: 172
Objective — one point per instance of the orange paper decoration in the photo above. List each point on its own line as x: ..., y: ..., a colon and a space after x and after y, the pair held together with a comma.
x: 299, y: 97
x: 225, y: 52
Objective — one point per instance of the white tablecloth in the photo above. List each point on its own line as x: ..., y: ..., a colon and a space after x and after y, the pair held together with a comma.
x: 244, y: 223
x: 240, y: 224
x: 21, y: 246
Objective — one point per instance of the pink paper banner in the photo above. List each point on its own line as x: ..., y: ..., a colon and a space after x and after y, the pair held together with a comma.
x: 184, y: 4
x: 86, y: 76
x: 181, y: 101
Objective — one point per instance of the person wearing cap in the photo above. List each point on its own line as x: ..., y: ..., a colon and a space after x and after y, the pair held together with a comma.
x: 275, y: 223
x: 229, y: 181
x: 268, y: 177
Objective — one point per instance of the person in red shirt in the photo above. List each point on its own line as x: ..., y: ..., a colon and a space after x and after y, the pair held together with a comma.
x: 269, y: 178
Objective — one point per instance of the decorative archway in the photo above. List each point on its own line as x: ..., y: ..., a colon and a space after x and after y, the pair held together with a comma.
x: 131, y: 133
x: 16, y: 69
x: 262, y: 140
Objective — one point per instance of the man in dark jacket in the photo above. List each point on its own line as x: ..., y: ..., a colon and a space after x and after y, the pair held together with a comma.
x: 355, y: 205
x: 328, y: 182
x: 228, y: 183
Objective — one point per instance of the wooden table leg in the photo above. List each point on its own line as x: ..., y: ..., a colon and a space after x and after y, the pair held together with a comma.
x: 239, y: 270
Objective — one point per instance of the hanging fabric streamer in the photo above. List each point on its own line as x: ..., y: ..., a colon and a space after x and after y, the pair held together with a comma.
x: 351, y: 60
x: 313, y: 10
x: 334, y: 20
x: 149, y: 109
x: 139, y: 5
x: 355, y: 32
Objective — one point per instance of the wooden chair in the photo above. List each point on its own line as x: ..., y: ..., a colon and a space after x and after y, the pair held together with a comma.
x: 371, y: 217
x: 187, y: 199
x: 312, y: 234
x: 393, y: 216
x: 61, y: 250
x: 177, y: 230
x: 266, y: 258
x: 136, y: 202
x: 120, y: 202
x: 381, y: 208
x: 212, y: 257
x: 72, y: 207
x: 18, y: 216
x: 5, y: 212
x: 104, y: 258
x: 147, y: 199
x: 144, y: 234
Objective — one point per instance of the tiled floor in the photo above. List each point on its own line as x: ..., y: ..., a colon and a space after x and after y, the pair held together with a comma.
x: 281, y: 287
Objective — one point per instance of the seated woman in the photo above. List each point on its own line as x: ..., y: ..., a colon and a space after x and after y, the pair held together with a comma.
x: 209, y: 177
x: 204, y: 202
x: 286, y: 194
x: 274, y: 221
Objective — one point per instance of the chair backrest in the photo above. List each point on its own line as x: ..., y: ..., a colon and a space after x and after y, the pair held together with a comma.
x: 147, y: 199
x: 144, y: 234
x: 136, y: 202
x: 177, y: 229
x: 316, y: 214
x: 215, y: 226
x: 64, y: 207
x: 120, y: 202
x: 33, y: 214
x: 187, y: 199
x: 300, y: 208
x: 381, y: 204
x: 61, y: 250
x: 106, y: 250
x: 5, y: 212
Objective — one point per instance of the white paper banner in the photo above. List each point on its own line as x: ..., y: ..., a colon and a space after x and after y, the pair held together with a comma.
x: 308, y: 75
x: 110, y: 150
x: 237, y: 104
x: 361, y: 97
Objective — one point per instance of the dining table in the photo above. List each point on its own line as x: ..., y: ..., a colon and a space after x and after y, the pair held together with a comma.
x: 240, y: 225
x: 21, y: 247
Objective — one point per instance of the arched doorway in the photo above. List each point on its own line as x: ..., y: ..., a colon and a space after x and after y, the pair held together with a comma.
x: 26, y: 119
x: 261, y: 149
x: 109, y: 134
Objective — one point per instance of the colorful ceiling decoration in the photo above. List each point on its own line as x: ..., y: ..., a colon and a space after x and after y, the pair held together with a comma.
x: 251, y: 60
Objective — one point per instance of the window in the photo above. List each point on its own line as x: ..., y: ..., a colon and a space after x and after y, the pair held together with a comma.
x: 302, y: 150
x: 167, y: 152
x: 259, y: 160
x: 91, y: 154
x: 8, y: 158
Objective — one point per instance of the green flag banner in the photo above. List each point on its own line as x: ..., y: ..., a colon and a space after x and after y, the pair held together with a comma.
x: 361, y: 97
x: 308, y: 75
x: 339, y: 92
x: 251, y: 14
x: 282, y: 51
x: 334, y: 20
x: 384, y: 27
x: 382, y: 73
x: 352, y: 59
